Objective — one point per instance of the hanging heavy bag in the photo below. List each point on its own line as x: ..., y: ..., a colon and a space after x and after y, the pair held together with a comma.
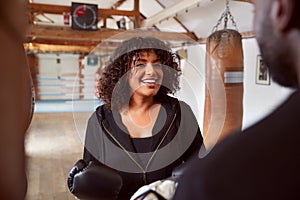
x: 223, y: 110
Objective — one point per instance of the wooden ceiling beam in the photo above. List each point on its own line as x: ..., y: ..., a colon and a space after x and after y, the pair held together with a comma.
x: 172, y: 10
x: 47, y: 38
x: 84, y: 47
x: 168, y: 12
x: 57, y: 48
x: 63, y: 34
x: 61, y: 42
x: 67, y: 34
x: 54, y: 48
x: 55, y: 9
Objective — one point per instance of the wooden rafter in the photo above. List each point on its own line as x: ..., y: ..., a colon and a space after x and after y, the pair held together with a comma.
x: 57, y: 48
x: 55, y: 9
x: 60, y: 35
x: 68, y: 34
x: 66, y: 39
x: 175, y: 18
x: 118, y: 4
x: 35, y: 17
x: 172, y: 10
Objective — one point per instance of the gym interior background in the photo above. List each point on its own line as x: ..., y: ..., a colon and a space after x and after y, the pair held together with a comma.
x: 65, y: 60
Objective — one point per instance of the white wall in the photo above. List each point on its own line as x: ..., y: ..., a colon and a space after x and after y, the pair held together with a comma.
x: 48, y: 65
x: 193, y: 81
x: 58, y: 76
x: 259, y: 100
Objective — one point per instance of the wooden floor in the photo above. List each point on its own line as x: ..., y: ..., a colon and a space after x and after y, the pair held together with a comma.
x: 53, y: 144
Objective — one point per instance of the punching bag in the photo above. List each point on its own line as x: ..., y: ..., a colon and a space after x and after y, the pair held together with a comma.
x: 223, y: 109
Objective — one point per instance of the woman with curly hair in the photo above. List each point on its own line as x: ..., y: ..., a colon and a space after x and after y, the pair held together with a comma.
x: 140, y: 133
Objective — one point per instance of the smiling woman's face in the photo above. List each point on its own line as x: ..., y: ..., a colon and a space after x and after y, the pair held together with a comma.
x: 146, y: 74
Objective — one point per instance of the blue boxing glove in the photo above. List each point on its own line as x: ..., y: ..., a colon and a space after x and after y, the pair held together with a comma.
x: 94, y: 181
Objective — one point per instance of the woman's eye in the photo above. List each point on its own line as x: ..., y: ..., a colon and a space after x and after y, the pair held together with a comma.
x: 157, y: 65
x: 140, y: 65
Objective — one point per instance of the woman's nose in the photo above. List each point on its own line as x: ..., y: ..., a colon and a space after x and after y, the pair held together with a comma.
x: 149, y: 70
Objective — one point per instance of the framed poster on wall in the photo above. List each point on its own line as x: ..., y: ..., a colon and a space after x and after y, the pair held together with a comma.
x: 262, y: 72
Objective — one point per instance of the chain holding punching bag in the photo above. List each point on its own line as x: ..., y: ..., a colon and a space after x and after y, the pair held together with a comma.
x: 223, y: 109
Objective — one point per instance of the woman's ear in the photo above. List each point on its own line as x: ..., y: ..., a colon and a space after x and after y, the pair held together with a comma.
x: 284, y: 14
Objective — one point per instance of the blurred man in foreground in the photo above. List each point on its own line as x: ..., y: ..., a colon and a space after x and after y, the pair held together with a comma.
x: 15, y: 100
x: 263, y: 161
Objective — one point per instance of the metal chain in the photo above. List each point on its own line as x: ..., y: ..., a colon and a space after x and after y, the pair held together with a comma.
x: 232, y: 20
x: 225, y: 16
x: 218, y: 23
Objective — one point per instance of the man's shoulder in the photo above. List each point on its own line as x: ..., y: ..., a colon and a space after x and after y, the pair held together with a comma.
x: 277, y: 132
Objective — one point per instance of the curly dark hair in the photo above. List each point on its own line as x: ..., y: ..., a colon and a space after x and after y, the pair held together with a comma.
x: 113, y: 81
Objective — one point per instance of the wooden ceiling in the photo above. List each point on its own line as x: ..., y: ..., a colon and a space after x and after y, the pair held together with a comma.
x: 50, y: 38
